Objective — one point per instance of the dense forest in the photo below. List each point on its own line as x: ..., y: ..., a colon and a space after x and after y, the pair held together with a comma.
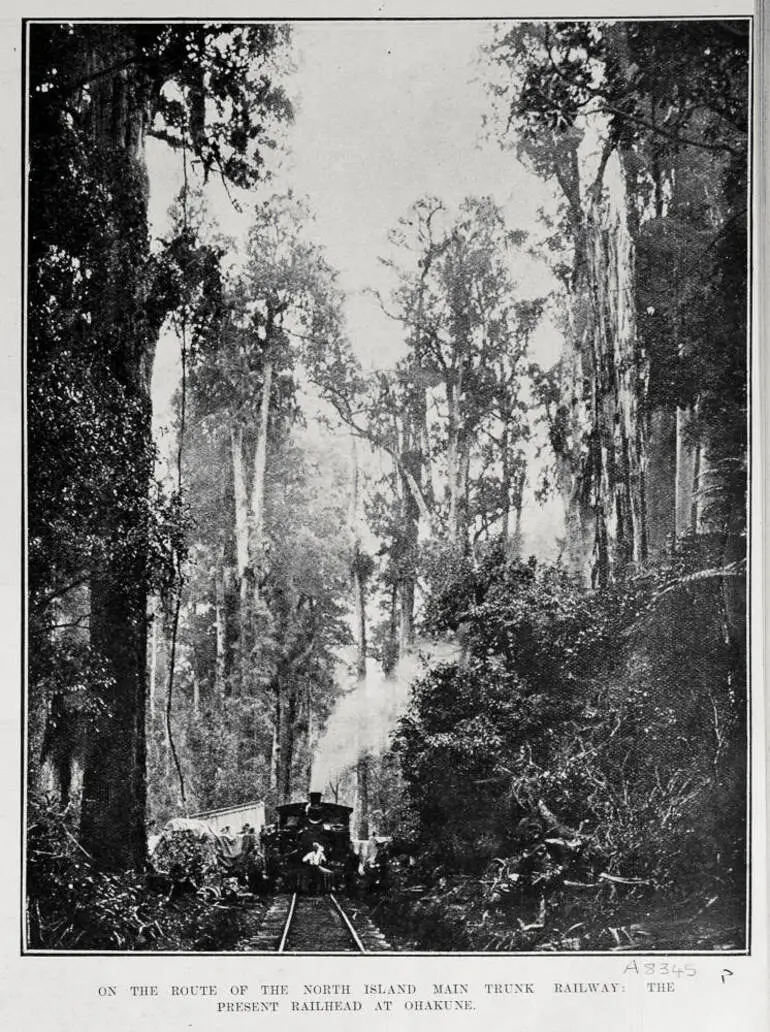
x: 327, y: 584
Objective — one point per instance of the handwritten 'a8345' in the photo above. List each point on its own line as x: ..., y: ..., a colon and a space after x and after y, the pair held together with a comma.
x: 659, y: 968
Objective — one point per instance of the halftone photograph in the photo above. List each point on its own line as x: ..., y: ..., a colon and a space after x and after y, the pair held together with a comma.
x: 386, y: 465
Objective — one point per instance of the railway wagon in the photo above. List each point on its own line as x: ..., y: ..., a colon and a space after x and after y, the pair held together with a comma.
x: 298, y: 827
x: 229, y: 820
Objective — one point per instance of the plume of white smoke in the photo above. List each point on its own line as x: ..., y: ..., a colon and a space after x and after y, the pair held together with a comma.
x: 364, y: 717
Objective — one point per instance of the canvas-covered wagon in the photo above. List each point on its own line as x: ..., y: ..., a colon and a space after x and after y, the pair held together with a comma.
x: 193, y: 852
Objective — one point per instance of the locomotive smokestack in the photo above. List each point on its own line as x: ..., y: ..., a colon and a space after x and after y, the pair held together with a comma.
x: 315, y: 798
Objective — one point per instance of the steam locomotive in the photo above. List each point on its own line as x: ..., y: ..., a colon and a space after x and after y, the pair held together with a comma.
x: 299, y: 827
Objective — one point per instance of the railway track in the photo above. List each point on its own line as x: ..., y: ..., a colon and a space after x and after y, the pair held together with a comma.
x: 316, y: 924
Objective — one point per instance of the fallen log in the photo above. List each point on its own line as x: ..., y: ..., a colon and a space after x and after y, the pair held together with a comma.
x: 616, y: 879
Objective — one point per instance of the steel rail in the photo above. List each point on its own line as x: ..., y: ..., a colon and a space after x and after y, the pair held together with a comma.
x: 287, y: 925
x: 348, y: 924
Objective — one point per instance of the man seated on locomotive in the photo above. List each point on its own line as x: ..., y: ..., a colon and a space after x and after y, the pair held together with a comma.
x: 319, y: 876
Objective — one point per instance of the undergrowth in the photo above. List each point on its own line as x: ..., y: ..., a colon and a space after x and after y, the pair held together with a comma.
x: 71, y: 906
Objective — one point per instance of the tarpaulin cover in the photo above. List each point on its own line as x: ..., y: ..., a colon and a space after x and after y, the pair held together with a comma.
x: 187, y: 847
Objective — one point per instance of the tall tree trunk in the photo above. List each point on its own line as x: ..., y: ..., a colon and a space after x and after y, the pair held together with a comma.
x: 453, y: 460
x: 309, y: 738
x: 505, y: 485
x: 359, y: 613
x: 685, y: 473
x: 276, y: 759
x: 427, y: 485
x: 406, y: 616
x: 114, y: 776
x: 287, y: 745
x: 392, y: 648
x: 417, y: 417
x: 242, y: 565
x: 287, y: 695
x: 661, y: 480
x: 362, y: 796
x: 463, y: 490
x: 220, y: 624
x: 362, y: 766
x: 409, y: 542
x: 618, y: 375
x: 696, y: 480
x: 515, y: 542
x: 153, y: 661
x: 574, y: 472
x: 258, y: 484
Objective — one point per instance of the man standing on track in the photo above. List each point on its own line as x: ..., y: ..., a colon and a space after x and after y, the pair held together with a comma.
x: 319, y: 876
